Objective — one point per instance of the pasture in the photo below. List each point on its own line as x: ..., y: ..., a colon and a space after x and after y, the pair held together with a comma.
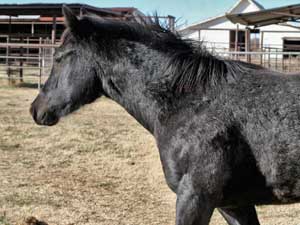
x: 97, y: 166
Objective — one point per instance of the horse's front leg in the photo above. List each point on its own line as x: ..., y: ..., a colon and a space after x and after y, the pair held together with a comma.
x: 192, y: 208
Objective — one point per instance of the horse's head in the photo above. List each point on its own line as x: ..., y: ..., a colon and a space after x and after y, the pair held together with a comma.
x: 74, y: 78
x: 101, y: 56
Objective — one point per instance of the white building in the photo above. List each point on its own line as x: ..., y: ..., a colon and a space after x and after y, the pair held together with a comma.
x: 220, y: 33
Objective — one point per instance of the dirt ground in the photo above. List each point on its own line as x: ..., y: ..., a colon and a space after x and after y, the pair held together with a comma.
x: 97, y: 166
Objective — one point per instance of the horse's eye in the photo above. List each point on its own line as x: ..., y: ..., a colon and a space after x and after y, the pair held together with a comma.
x: 59, y: 56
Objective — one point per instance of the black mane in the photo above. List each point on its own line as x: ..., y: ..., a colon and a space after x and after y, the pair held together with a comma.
x: 189, y: 64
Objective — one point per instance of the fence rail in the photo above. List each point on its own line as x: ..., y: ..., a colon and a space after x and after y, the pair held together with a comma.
x: 26, y: 61
x: 272, y: 58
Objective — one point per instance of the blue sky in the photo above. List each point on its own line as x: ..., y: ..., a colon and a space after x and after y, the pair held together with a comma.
x: 187, y: 10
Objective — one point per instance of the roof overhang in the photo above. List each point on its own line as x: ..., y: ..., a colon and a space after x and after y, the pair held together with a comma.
x: 56, y: 10
x: 266, y: 17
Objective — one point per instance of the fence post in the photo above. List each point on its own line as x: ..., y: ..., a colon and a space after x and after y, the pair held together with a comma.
x: 21, y: 60
x: 297, y: 63
x: 262, y: 48
x: 27, y: 50
x: 43, y: 62
x: 40, y: 64
x: 269, y: 58
x: 290, y: 62
x: 282, y: 63
x: 7, y: 59
x: 276, y: 59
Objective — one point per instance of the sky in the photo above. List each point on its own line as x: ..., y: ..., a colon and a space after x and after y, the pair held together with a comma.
x: 187, y: 11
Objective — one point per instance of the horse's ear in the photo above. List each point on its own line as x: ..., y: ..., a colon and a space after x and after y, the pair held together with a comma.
x: 71, y: 21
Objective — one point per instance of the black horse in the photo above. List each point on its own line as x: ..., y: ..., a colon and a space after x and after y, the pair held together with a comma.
x: 228, y: 132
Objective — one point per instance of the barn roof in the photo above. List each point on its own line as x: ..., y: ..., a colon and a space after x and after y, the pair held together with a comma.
x: 56, y: 10
x: 258, y: 5
x: 278, y: 15
x: 199, y: 25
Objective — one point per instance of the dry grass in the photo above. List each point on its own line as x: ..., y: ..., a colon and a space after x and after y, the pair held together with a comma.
x: 97, y: 166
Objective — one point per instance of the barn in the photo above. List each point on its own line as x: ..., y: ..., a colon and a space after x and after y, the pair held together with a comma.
x: 267, y: 40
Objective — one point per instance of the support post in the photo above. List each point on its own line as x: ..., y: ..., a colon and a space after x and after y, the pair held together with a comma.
x: 53, y: 34
x: 261, y: 47
x: 171, y: 21
x: 199, y: 35
x: 247, y: 44
x: 32, y: 29
x: 236, y: 45
x: 82, y: 10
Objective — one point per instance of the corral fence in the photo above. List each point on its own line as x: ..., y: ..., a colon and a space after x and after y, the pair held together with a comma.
x: 274, y: 57
x: 28, y: 60
x: 287, y: 62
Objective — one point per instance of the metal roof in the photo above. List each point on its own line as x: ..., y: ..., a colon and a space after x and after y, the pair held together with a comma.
x: 199, y: 25
x: 259, y: 6
x: 268, y: 16
x: 56, y: 10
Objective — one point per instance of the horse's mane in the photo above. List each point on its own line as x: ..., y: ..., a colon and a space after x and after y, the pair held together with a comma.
x: 189, y: 63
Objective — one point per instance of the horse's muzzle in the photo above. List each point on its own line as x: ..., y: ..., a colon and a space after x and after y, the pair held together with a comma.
x: 40, y: 112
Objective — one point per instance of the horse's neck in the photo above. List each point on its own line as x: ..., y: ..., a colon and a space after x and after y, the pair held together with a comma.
x: 128, y: 88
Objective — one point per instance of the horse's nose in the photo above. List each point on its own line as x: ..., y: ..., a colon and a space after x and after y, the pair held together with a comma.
x: 37, y: 108
x: 40, y: 112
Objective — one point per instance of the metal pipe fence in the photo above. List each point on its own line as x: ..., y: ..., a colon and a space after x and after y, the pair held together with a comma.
x: 27, y: 62
x: 288, y: 62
